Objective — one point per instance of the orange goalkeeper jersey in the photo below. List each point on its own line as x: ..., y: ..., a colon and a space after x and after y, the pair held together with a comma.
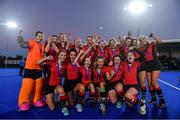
x: 36, y: 52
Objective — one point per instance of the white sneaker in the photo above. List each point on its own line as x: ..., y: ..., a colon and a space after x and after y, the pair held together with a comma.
x: 79, y: 107
x: 65, y: 111
x: 103, y: 108
x: 119, y: 104
x: 142, y: 110
x: 143, y: 100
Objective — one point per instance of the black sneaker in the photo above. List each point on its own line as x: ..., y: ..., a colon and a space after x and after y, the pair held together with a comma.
x: 162, y: 105
x: 92, y: 105
x: 152, y: 101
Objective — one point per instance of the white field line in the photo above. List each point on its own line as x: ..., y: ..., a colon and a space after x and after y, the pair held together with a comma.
x: 169, y: 85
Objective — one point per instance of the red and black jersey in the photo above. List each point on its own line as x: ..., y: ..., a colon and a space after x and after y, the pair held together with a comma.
x: 56, y: 72
x: 151, y: 52
x: 78, y: 51
x: 113, y: 52
x: 117, y: 73
x: 60, y: 47
x: 92, y: 53
x: 71, y: 46
x: 98, y: 76
x: 103, y: 53
x: 71, y: 72
x: 130, y: 73
x: 63, y: 48
x: 139, y: 54
x: 85, y: 75
x: 52, y: 52
x: 125, y: 50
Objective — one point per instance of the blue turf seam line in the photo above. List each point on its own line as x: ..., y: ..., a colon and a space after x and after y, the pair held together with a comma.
x: 169, y: 84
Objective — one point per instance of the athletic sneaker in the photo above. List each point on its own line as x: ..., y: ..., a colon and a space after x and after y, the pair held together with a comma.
x: 103, y: 100
x: 65, y: 111
x: 79, y: 107
x: 142, y: 109
x: 162, y: 105
x: 119, y: 104
x: 152, y: 101
x: 103, y: 108
x: 143, y: 100
x: 39, y: 103
x: 24, y: 106
x: 92, y: 104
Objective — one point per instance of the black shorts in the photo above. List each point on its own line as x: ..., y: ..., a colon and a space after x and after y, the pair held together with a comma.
x: 49, y: 89
x: 96, y: 85
x: 126, y: 87
x: 143, y: 67
x: 32, y: 73
x: 111, y: 85
x: 153, y: 65
x: 69, y: 85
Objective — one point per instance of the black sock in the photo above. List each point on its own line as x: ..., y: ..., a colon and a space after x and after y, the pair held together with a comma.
x: 102, y: 93
x: 92, y: 97
x: 62, y: 98
x: 120, y: 96
x: 143, y: 92
x: 152, y: 93
x: 80, y: 97
x: 160, y: 94
x: 75, y: 97
x: 136, y: 101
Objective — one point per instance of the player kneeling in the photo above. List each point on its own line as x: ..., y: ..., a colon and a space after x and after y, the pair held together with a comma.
x: 130, y: 83
x: 54, y: 86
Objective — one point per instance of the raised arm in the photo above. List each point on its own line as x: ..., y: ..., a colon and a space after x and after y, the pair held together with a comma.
x: 41, y: 61
x: 94, y: 46
x: 20, y: 40
x: 158, y: 39
x: 55, y: 47
x: 85, y: 53
x: 110, y: 75
x: 48, y: 44
x: 68, y: 40
x: 78, y: 56
x: 96, y: 39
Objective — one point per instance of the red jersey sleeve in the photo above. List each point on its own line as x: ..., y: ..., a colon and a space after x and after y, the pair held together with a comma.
x: 138, y: 64
x: 48, y: 62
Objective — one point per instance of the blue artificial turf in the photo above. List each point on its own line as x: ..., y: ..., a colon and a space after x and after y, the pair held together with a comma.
x: 10, y: 84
